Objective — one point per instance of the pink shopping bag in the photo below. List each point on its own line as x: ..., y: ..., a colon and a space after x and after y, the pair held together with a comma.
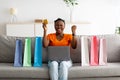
x: 102, y: 52
x: 94, y: 51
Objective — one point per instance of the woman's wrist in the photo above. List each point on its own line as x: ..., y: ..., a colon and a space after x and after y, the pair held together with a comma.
x: 45, y: 32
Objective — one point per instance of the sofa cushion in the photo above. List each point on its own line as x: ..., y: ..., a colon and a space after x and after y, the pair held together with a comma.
x: 75, y: 72
x: 7, y: 48
x: 111, y: 69
x: 113, y: 47
x: 76, y: 53
x: 9, y: 71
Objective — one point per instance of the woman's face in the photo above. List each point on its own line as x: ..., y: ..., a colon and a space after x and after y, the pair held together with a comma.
x: 59, y: 27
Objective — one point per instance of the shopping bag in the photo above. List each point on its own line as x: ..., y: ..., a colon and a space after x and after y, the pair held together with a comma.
x: 84, y: 51
x: 18, y: 53
x: 38, y: 52
x: 27, y: 53
x: 102, y: 52
x: 94, y: 51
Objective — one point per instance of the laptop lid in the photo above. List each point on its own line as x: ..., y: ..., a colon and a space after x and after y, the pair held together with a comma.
x: 58, y: 53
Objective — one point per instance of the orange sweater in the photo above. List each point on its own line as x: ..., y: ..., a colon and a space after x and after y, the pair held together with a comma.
x: 66, y: 41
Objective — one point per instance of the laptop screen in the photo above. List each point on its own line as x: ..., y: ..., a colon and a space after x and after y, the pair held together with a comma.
x: 58, y: 53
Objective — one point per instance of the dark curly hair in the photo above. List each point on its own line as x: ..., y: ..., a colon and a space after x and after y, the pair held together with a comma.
x: 59, y: 19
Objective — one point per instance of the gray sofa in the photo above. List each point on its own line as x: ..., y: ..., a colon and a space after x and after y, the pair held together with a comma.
x: 109, y: 72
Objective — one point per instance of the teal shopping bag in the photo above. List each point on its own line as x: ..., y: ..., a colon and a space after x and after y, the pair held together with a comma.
x: 38, y: 52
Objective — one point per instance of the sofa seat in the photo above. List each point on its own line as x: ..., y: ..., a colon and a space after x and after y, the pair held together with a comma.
x: 75, y: 72
x: 111, y: 69
x: 9, y: 71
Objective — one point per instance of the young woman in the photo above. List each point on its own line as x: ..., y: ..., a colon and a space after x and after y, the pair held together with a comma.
x: 59, y: 71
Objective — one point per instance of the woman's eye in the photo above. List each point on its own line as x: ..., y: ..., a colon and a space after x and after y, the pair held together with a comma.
x: 59, y: 26
x: 56, y: 26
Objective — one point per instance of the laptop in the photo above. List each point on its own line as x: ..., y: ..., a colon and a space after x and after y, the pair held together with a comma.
x: 59, y: 53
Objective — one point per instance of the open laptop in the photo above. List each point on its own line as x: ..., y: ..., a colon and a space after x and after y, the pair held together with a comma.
x: 58, y: 53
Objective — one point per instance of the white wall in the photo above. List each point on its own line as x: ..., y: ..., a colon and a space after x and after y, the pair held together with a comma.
x: 104, y: 15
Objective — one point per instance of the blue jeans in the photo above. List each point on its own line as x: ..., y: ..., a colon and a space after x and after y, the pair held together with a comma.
x: 59, y: 71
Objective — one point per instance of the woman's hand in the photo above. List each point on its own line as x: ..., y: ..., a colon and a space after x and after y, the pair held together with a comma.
x: 74, y: 40
x: 45, y: 40
x: 73, y: 28
x: 44, y: 27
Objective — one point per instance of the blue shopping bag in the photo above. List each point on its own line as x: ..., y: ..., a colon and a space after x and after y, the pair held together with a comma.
x: 18, y: 53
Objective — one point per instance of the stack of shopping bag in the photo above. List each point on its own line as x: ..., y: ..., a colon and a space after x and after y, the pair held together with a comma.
x: 25, y: 60
x: 93, y: 51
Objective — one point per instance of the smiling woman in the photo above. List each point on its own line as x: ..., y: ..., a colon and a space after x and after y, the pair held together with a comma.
x: 59, y: 70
